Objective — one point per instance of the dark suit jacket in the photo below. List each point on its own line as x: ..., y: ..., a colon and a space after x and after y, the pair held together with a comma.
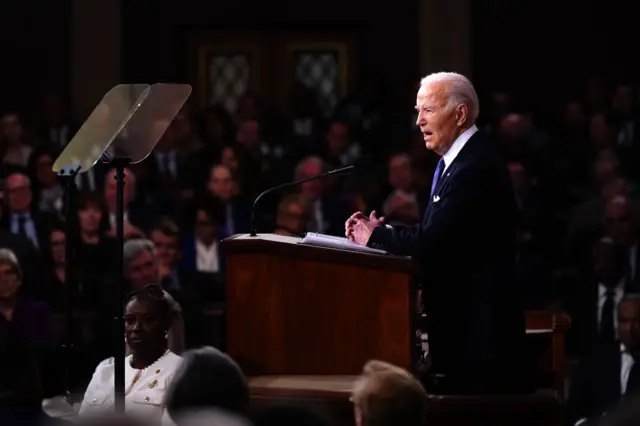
x: 466, y: 245
x: 41, y: 221
x: 595, y: 386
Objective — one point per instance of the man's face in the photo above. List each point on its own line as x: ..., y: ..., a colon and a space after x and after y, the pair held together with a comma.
x: 142, y: 270
x: 221, y: 183
x: 436, y: 119
x: 629, y: 324
x: 205, y: 228
x: 619, y: 224
x: 167, y: 248
x: 18, y: 192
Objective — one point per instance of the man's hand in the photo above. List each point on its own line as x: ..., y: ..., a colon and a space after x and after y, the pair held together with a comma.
x: 358, y: 228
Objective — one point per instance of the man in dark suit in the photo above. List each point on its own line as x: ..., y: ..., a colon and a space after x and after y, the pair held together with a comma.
x: 465, y: 245
x: 610, y: 373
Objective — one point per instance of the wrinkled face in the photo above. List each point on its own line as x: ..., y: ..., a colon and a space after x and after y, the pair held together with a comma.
x: 439, y: 121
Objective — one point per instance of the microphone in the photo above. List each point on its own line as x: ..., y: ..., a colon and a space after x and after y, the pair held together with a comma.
x: 360, y: 164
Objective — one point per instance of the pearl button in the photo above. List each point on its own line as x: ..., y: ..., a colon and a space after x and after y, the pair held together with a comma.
x: 95, y: 399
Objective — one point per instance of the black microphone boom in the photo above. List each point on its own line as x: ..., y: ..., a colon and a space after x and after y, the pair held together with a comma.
x: 358, y: 165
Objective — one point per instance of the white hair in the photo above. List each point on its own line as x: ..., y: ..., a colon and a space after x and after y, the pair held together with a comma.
x: 458, y: 91
x: 132, y: 248
x: 8, y: 256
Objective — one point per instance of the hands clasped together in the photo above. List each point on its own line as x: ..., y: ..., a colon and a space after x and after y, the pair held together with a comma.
x: 358, y: 228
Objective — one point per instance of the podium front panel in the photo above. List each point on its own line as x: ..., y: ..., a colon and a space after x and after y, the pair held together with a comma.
x: 302, y: 314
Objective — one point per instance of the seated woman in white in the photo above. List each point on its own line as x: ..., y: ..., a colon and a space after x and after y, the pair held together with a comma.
x: 150, y: 367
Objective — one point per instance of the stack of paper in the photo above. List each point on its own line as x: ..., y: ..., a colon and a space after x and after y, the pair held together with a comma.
x: 322, y: 240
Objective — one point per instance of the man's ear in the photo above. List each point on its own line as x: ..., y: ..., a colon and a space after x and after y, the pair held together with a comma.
x: 462, y: 114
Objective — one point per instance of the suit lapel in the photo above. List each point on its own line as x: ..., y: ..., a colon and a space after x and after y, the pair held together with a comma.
x: 467, y: 151
x: 435, y: 198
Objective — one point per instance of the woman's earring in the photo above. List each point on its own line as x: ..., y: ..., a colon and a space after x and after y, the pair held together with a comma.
x: 166, y: 334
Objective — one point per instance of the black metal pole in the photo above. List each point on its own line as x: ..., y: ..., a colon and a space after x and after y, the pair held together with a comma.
x: 68, y: 175
x: 120, y: 165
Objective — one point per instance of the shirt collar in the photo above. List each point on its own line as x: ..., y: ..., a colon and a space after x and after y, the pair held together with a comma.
x: 457, y: 145
x: 602, y: 289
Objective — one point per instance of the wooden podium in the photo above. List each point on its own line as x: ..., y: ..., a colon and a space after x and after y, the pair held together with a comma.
x: 296, y: 309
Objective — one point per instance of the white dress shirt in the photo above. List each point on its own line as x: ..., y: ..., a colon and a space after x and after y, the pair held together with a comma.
x: 626, y: 362
x: 112, y: 218
x: 207, y: 259
x: 457, y: 146
x: 144, y: 389
x: 618, y: 293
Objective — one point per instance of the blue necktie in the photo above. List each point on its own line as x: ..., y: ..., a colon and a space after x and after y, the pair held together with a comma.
x: 437, y: 175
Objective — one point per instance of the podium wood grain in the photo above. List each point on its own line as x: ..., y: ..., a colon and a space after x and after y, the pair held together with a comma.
x: 295, y: 309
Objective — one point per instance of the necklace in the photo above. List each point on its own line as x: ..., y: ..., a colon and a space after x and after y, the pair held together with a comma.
x: 150, y: 365
x: 141, y: 372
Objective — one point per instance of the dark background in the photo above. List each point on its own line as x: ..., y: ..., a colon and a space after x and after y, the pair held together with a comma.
x: 539, y: 49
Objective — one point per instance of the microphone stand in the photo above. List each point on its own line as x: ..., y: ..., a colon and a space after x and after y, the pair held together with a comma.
x: 290, y: 184
x: 120, y: 165
x: 68, y: 175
